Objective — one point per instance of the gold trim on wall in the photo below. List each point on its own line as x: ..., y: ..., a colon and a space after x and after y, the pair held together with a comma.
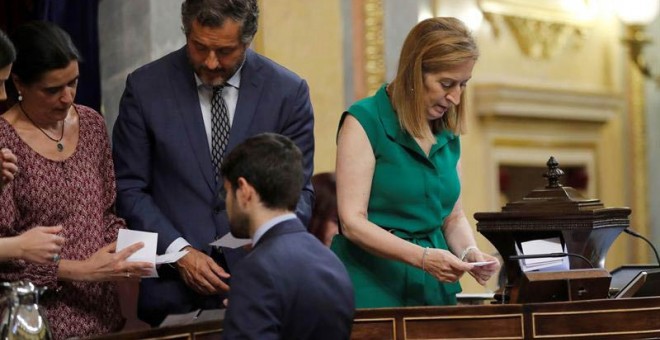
x: 637, y: 132
x: 374, y: 46
x: 541, y: 28
x: 541, y: 39
x: 522, y: 143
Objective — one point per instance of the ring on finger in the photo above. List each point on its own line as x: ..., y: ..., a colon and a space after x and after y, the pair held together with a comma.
x: 56, y: 258
x: 127, y: 274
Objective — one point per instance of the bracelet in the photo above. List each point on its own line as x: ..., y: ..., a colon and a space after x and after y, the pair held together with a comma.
x: 426, y: 251
x: 467, y: 251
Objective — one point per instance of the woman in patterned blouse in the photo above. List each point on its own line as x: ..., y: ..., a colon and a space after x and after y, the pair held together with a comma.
x: 66, y: 179
x: 37, y: 244
x: 7, y: 159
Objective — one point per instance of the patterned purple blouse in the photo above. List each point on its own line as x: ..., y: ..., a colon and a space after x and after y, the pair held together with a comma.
x: 77, y: 193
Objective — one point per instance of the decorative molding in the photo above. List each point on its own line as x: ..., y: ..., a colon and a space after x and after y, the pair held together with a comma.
x: 541, y: 28
x: 541, y: 39
x: 637, y: 132
x: 374, y: 47
x: 503, y: 100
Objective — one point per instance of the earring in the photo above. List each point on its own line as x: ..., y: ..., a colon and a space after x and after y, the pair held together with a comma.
x: 20, y: 97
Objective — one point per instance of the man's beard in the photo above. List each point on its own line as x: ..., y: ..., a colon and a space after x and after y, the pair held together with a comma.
x: 239, y: 224
x: 213, y: 77
x: 219, y: 75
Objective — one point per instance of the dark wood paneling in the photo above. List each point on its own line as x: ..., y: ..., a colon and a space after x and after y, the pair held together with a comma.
x: 374, y: 329
x: 503, y: 326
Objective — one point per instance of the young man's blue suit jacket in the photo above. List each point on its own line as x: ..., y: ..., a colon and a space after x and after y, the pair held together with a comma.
x: 290, y: 287
x: 165, y: 177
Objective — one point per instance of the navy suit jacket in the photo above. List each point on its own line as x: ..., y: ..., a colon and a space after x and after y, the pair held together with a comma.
x: 165, y: 176
x: 290, y: 286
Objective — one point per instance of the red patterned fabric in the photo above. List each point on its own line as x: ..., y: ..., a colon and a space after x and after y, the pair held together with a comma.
x: 79, y: 194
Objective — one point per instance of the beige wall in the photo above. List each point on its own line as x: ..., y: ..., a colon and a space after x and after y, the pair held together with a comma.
x: 306, y: 37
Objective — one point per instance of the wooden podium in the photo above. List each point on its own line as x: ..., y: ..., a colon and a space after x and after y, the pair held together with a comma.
x: 586, y: 227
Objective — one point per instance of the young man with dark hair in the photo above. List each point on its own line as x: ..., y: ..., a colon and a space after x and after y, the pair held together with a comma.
x: 290, y: 286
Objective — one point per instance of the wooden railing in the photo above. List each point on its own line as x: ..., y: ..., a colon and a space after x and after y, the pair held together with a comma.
x: 634, y: 318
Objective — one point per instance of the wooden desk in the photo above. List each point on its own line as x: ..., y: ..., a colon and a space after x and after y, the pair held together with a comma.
x: 635, y: 318
x: 595, y: 319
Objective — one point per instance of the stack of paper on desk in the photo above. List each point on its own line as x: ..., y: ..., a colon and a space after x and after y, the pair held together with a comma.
x: 540, y: 247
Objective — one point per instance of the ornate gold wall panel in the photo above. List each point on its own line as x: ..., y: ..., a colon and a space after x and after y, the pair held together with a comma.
x: 374, y: 48
x: 541, y: 39
x: 541, y: 28
x: 638, y: 172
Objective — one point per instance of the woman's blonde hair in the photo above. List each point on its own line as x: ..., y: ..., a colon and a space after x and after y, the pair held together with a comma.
x: 433, y: 45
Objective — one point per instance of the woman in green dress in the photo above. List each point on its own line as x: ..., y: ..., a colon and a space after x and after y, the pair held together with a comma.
x: 405, y: 238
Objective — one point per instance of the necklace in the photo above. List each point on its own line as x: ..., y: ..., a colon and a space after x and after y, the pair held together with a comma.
x: 60, y: 147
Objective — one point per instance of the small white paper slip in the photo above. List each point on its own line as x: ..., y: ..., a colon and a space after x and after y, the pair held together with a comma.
x: 229, y: 241
x: 481, y: 264
x: 171, y: 257
x: 180, y: 319
x: 211, y: 315
x: 147, y: 253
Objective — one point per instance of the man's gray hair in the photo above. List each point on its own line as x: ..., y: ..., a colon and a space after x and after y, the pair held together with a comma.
x: 213, y: 13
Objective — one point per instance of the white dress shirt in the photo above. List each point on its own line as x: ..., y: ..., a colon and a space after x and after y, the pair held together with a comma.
x: 205, y: 92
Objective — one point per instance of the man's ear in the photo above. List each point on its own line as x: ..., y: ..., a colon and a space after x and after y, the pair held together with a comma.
x: 244, y: 191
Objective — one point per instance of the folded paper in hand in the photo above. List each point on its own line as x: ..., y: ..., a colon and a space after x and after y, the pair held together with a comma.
x: 147, y: 253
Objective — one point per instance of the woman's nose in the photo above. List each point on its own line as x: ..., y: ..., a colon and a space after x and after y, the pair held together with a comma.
x: 67, y: 96
x: 454, y: 96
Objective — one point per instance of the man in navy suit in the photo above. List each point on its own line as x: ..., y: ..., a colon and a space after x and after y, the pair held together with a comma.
x: 162, y: 141
x: 290, y: 286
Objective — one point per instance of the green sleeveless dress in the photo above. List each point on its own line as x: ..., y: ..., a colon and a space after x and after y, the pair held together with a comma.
x: 411, y: 195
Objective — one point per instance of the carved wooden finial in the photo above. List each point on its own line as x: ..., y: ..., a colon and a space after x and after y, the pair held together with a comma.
x: 553, y: 173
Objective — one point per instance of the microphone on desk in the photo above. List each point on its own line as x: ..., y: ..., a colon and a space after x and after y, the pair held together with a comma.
x: 634, y: 233
x: 540, y: 256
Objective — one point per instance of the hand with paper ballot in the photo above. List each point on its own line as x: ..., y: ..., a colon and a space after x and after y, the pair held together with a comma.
x: 483, y: 265
x: 443, y: 265
x: 106, y: 265
x: 201, y: 273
